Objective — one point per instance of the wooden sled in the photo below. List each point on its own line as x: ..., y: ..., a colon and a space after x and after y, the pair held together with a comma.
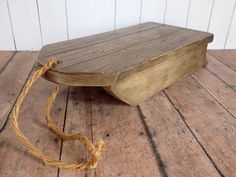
x: 131, y: 63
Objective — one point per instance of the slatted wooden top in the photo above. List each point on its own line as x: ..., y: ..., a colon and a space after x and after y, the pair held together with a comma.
x: 120, y: 50
x: 187, y: 130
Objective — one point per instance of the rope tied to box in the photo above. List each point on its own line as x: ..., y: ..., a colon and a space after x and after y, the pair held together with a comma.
x: 94, y: 150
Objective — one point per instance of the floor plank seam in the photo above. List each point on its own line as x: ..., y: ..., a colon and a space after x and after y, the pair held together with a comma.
x: 202, y: 86
x: 158, y: 158
x: 217, y: 58
x: 8, y: 115
x: 234, y: 89
x: 63, y: 128
x: 204, y: 150
x: 8, y: 61
x: 91, y: 126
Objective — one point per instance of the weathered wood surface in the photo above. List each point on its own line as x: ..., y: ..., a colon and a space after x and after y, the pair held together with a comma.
x: 98, y: 115
x: 228, y: 57
x: 5, y: 58
x: 224, y: 94
x: 135, y: 86
x: 16, y: 160
x: 178, y: 149
x: 12, y: 79
x: 223, y: 72
x: 213, y: 126
x: 119, y: 60
x: 187, y: 130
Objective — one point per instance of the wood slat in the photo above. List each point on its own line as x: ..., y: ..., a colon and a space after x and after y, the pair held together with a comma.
x: 180, y: 152
x: 131, y: 7
x: 220, y: 22
x: 16, y: 160
x: 25, y: 24
x: 74, y: 44
x: 6, y: 34
x: 11, y: 81
x: 76, y: 57
x: 89, y: 17
x: 218, y: 89
x: 227, y: 57
x: 5, y: 58
x: 176, y: 16
x: 153, y: 10
x: 134, y: 56
x: 231, y: 38
x: 212, y: 125
x: 222, y: 71
x: 196, y: 20
x: 127, y: 153
x: 53, y: 26
x: 78, y: 119
x: 126, y: 52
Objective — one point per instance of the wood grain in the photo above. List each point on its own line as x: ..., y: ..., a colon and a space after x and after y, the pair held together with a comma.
x: 222, y: 71
x: 218, y: 89
x: 98, y: 115
x: 136, y: 86
x: 133, y: 51
x: 180, y: 152
x: 11, y: 81
x: 73, y: 44
x: 128, y: 152
x: 78, y: 119
x: 130, y: 63
x: 185, y: 132
x: 5, y: 59
x: 227, y: 57
x: 212, y: 125
x: 71, y: 60
x: 18, y: 161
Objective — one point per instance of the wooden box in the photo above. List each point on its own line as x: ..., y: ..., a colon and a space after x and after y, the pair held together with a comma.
x: 131, y: 63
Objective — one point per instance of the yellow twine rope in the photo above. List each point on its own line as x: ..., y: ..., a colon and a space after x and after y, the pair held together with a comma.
x: 94, y: 150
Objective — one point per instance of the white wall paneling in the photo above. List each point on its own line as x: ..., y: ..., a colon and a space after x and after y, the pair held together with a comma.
x: 25, y: 23
x: 29, y: 24
x: 231, y: 40
x: 52, y: 16
x: 153, y: 10
x: 177, y: 12
x: 199, y: 14
x: 6, y: 36
x: 90, y: 17
x: 127, y: 12
x: 220, y: 21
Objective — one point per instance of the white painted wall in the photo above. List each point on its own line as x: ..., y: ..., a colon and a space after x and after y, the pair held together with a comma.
x: 29, y: 24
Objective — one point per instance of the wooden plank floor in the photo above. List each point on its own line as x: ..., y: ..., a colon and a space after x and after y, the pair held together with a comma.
x: 189, y: 129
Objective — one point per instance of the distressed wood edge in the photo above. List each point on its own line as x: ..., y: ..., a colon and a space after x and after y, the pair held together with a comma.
x: 106, y: 79
x: 112, y: 89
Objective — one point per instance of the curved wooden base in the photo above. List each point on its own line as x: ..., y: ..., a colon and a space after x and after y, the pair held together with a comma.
x: 140, y: 84
x: 132, y: 64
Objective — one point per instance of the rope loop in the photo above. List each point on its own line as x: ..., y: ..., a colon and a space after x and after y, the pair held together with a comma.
x: 94, y: 150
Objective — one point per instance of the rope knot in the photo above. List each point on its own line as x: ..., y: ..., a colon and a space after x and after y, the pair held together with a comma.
x: 50, y: 63
x: 96, y: 153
